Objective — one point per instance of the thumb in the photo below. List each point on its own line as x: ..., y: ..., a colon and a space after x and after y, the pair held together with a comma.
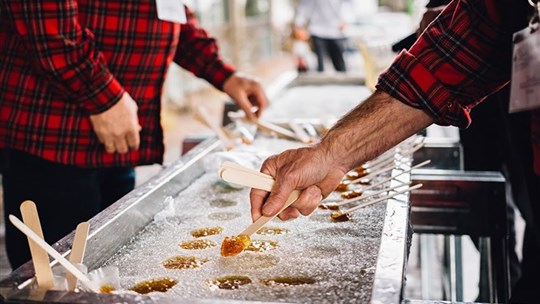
x: 276, y: 199
x: 243, y: 102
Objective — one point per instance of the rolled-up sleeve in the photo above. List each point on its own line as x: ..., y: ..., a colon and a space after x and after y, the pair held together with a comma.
x: 462, y: 57
x: 65, y: 52
x: 199, y: 53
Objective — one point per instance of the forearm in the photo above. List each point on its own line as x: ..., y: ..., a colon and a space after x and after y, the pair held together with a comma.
x: 371, y: 128
x: 368, y: 130
x: 199, y: 53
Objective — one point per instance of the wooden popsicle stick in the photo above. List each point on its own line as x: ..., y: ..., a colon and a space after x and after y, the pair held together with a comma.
x: 77, y: 251
x: 379, y: 183
x: 238, y: 167
x: 386, y: 179
x: 374, y: 173
x: 237, y: 174
x: 390, y: 154
x: 247, y: 136
x: 310, y: 130
x: 397, y: 175
x: 244, y: 178
x: 363, y: 188
x: 229, y: 164
x: 202, y: 116
x: 40, y: 259
x: 376, y: 165
x: 260, y: 222
x: 265, y: 125
x: 52, y: 252
x: 301, y: 134
x: 413, y: 149
x: 382, y: 199
x: 360, y: 198
x: 268, y: 126
x: 373, y: 168
x: 369, y: 175
x: 271, y: 127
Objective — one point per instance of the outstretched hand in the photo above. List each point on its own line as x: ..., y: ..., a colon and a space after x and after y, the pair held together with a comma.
x: 247, y: 92
x: 309, y: 169
x: 374, y: 126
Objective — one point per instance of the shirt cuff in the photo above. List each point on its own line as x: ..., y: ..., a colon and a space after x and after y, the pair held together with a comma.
x: 218, y: 72
x: 409, y: 81
x: 106, y: 93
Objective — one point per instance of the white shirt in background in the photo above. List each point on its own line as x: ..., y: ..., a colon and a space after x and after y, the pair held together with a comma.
x: 323, y: 18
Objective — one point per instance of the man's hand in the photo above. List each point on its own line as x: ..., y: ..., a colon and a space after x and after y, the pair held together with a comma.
x: 246, y: 92
x: 310, y: 169
x: 118, y: 127
x: 374, y: 126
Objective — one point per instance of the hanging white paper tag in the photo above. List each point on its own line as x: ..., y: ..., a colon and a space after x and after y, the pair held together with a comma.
x: 525, y: 85
x: 171, y: 10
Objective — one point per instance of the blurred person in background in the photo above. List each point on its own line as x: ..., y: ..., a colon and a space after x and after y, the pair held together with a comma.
x: 80, y: 101
x: 324, y: 22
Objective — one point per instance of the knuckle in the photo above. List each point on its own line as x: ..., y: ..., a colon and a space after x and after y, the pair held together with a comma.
x: 117, y: 133
x: 314, y: 193
x: 305, y: 211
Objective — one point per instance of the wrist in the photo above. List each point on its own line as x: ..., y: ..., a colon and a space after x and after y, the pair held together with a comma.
x: 335, y: 152
x: 104, y: 99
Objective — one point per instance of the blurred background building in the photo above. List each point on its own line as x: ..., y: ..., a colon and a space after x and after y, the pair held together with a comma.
x: 257, y: 33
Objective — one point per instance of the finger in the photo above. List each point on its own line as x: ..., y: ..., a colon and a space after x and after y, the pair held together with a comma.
x: 133, y: 140
x: 329, y: 184
x: 243, y: 102
x: 289, y: 214
x: 276, y: 199
x: 109, y: 146
x: 327, y: 188
x: 269, y: 166
x: 121, y: 145
x: 308, y: 200
x: 259, y: 100
x: 257, y: 198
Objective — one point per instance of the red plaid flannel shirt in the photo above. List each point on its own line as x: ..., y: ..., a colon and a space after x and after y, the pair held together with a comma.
x: 462, y: 57
x: 61, y: 61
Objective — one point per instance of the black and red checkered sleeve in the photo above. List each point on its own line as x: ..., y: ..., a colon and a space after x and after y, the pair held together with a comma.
x: 64, y: 52
x: 199, y: 53
x: 463, y: 56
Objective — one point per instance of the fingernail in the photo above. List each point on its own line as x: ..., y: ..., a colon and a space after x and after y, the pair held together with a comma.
x: 268, y: 210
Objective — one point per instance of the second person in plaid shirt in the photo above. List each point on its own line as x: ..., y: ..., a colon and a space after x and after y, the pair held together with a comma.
x: 80, y: 86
